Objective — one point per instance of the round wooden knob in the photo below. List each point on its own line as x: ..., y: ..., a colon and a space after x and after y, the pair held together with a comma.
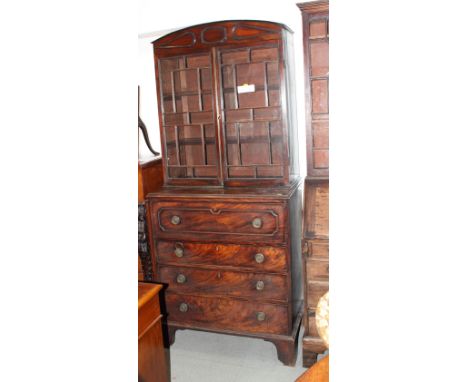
x: 260, y: 285
x: 259, y: 258
x: 183, y: 307
x: 181, y: 278
x: 175, y: 220
x: 261, y: 316
x: 257, y: 223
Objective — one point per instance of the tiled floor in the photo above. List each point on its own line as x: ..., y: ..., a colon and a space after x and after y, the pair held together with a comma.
x: 207, y: 357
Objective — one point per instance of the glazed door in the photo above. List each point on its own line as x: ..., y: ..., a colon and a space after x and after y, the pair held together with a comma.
x: 254, y: 141
x: 187, y: 117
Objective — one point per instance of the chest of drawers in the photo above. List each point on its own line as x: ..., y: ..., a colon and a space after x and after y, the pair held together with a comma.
x: 231, y: 261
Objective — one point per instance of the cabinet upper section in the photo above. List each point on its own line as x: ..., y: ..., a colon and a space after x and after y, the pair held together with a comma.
x: 226, y: 109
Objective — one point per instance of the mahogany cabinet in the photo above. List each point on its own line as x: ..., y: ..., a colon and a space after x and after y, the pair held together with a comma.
x: 225, y: 227
x: 316, y: 186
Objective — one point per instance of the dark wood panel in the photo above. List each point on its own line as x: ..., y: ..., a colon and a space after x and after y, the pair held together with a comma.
x: 252, y: 257
x: 220, y: 282
x: 225, y: 313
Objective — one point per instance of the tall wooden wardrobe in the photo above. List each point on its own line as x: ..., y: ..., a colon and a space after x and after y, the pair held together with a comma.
x: 225, y: 227
x: 316, y: 189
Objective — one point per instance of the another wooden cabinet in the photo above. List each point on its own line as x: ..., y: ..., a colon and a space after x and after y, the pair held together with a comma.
x: 150, y: 178
x: 153, y: 363
x: 316, y: 186
x: 225, y: 228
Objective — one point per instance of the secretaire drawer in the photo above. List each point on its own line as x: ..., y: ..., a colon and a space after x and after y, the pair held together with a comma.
x: 255, y: 257
x: 232, y: 222
x: 226, y: 313
x: 224, y: 283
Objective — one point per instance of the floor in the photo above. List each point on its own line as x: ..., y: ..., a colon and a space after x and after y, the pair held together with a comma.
x: 208, y: 357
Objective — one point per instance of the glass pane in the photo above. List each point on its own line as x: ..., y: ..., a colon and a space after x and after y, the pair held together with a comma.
x: 251, y: 98
x: 188, y: 116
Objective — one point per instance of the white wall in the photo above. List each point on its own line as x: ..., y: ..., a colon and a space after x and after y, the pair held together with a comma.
x: 158, y: 18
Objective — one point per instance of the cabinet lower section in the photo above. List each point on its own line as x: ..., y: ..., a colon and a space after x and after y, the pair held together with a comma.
x: 231, y: 262
x: 316, y: 264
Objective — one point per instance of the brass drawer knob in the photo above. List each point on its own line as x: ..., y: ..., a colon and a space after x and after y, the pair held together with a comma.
x: 175, y: 220
x: 183, y: 307
x: 181, y: 278
x: 259, y: 258
x: 260, y: 285
x: 179, y: 250
x: 261, y: 316
x: 257, y: 223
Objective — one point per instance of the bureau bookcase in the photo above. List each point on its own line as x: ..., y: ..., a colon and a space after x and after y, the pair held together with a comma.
x: 316, y: 185
x: 225, y: 227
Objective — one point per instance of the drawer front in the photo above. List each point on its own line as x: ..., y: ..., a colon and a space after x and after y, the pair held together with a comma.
x: 225, y: 313
x: 316, y: 248
x: 238, y: 284
x: 232, y: 222
x: 315, y: 290
x: 261, y: 258
x: 317, y: 269
x: 316, y: 219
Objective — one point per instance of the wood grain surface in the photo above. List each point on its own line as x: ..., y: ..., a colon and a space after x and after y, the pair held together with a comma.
x: 232, y: 255
x: 226, y: 313
x: 254, y: 286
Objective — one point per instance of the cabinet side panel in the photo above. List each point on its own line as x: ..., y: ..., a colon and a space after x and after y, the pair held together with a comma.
x: 295, y: 214
x: 291, y: 105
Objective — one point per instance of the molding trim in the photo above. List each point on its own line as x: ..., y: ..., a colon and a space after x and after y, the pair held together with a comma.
x: 313, y: 6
